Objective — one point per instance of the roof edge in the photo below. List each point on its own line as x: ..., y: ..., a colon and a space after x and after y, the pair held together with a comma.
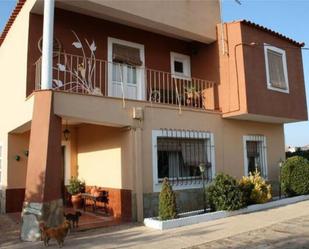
x: 263, y: 28
x: 11, y: 20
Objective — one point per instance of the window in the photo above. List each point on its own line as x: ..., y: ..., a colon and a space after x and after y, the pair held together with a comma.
x: 126, y: 69
x: 178, y: 154
x: 180, y: 65
x: 255, y: 155
x: 1, y: 162
x: 276, y: 69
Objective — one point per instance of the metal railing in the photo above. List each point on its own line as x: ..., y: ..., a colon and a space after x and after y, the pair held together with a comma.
x: 78, y: 74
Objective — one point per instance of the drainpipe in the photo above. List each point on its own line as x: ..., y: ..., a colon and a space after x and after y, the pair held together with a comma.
x: 137, y: 133
x: 47, y: 51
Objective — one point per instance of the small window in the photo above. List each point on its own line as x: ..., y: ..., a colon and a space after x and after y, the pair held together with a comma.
x: 180, y: 66
x: 255, y: 155
x: 276, y: 69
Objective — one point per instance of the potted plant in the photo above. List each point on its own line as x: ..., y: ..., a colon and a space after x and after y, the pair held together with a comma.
x: 75, y: 188
x: 191, y: 95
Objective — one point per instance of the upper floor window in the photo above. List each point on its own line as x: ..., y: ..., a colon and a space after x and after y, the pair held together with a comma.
x: 255, y: 155
x: 180, y: 65
x: 178, y: 154
x: 276, y: 69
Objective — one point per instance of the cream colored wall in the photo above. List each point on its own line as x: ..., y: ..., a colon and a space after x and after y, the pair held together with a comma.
x: 17, y: 146
x: 228, y: 139
x: 228, y: 136
x: 102, y: 156
x: 15, y: 110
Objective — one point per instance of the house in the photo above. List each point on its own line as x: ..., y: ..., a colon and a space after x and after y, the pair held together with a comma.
x: 124, y: 93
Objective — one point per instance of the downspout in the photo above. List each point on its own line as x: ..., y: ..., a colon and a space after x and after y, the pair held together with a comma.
x: 47, y: 50
x: 236, y: 69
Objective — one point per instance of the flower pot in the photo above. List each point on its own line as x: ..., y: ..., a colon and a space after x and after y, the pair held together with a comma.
x: 76, y: 201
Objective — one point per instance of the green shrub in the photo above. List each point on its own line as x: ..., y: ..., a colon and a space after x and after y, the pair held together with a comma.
x: 75, y: 186
x: 255, y: 189
x: 224, y: 193
x: 295, y: 176
x: 167, y: 202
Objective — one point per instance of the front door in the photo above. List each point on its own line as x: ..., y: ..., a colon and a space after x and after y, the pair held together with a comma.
x: 126, y: 69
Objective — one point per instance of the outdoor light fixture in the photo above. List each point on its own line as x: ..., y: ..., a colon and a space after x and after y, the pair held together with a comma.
x: 66, y: 132
x: 202, y: 167
x: 280, y: 164
x: 26, y: 152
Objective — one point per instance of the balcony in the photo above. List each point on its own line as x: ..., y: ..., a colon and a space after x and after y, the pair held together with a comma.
x: 91, y: 76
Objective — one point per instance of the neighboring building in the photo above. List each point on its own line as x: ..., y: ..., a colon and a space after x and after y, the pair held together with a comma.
x: 291, y: 149
x: 143, y: 91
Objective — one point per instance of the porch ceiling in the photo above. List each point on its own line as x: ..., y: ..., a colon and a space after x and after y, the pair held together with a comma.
x: 169, y: 22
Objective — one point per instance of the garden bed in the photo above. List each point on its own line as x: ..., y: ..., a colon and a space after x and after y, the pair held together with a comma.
x: 198, y: 216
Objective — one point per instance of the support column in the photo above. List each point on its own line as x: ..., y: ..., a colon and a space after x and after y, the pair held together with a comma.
x: 47, y: 48
x: 138, y: 173
x: 43, y: 183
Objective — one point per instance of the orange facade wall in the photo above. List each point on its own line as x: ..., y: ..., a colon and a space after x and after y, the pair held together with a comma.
x: 243, y: 86
x: 262, y: 100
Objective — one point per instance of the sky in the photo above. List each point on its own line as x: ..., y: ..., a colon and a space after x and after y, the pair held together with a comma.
x: 289, y: 17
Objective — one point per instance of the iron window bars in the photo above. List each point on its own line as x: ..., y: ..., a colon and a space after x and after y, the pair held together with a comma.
x: 179, y: 154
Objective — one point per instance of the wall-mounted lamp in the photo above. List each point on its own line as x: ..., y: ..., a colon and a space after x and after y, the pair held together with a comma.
x: 66, y: 132
x: 17, y: 158
x: 26, y: 152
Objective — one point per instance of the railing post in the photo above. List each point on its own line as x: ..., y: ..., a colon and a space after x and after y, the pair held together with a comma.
x: 47, y: 51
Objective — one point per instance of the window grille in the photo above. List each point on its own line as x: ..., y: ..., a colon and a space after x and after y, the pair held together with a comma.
x: 179, y: 154
x: 255, y: 155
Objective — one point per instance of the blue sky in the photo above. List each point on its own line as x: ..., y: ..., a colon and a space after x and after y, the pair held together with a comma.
x: 289, y: 17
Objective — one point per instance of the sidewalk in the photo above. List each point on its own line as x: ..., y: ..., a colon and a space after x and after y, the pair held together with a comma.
x: 134, y: 236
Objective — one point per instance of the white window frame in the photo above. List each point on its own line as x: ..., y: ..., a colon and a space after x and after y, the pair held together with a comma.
x: 257, y: 138
x: 285, y: 71
x: 140, y: 73
x: 180, y: 134
x: 186, y: 61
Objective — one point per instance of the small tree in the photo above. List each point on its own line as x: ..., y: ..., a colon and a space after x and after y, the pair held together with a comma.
x: 224, y: 194
x: 295, y: 176
x: 255, y: 189
x: 167, y: 202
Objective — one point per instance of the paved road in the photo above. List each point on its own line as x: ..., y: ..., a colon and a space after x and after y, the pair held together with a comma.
x: 284, y: 227
x: 291, y: 234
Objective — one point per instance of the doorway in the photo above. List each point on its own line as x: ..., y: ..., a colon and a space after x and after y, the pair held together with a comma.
x: 126, y: 66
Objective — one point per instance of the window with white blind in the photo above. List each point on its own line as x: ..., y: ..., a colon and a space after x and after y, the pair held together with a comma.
x: 255, y: 155
x: 177, y: 155
x: 276, y: 69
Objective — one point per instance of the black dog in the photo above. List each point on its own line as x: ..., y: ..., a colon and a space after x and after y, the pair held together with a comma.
x: 73, y: 218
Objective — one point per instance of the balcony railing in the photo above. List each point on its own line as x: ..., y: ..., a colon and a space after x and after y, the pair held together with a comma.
x: 77, y: 74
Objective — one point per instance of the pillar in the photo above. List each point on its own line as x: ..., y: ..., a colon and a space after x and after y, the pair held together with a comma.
x: 47, y: 48
x: 43, y: 200
x: 137, y: 134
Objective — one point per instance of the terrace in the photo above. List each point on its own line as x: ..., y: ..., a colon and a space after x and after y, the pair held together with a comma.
x: 91, y: 76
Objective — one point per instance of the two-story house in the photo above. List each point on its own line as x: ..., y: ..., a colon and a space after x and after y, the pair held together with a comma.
x: 124, y: 93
